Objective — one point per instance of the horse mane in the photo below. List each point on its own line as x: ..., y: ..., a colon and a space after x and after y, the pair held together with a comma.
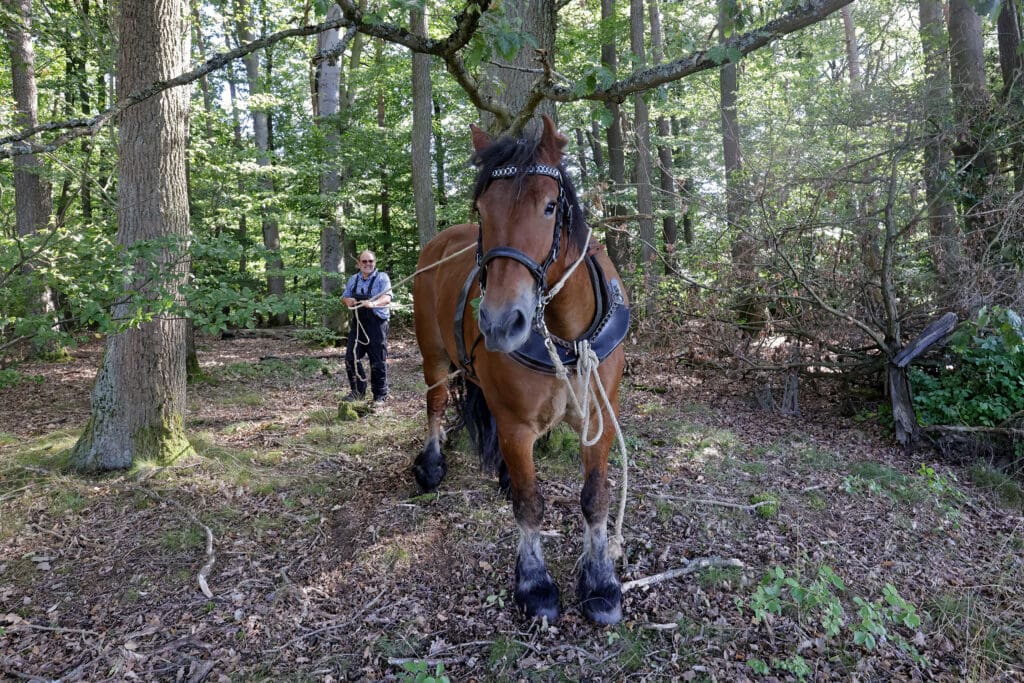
x: 521, y: 153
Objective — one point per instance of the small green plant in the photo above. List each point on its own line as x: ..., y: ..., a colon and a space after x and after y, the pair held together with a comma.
x: 875, y: 615
x: 497, y: 599
x: 818, y: 604
x: 9, y: 378
x: 795, y: 665
x: 759, y: 666
x: 981, y: 382
x: 948, y: 497
x: 766, y: 505
x: 419, y: 672
x: 322, y: 337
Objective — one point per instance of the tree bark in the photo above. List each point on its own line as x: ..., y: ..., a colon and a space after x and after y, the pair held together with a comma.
x: 976, y: 161
x: 617, y: 239
x: 1011, y: 64
x: 422, y: 131
x: 138, y: 400
x: 32, y: 201
x: 328, y: 93
x: 937, y: 169
x: 668, y: 202
x: 514, y: 79
x: 743, y: 247
x: 261, y: 124
x: 642, y: 161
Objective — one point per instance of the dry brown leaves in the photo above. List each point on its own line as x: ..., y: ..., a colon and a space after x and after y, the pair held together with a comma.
x: 329, y: 567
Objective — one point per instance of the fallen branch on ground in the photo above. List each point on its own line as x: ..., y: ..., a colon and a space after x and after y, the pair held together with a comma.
x: 690, y: 567
x: 211, y: 557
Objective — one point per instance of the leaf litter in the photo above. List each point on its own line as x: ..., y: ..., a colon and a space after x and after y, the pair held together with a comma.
x: 328, y: 565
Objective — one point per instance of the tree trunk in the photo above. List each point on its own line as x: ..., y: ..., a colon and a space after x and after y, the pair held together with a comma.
x: 439, y: 154
x: 617, y: 239
x: 422, y: 130
x: 666, y: 163
x: 852, y: 51
x: 938, y: 157
x: 686, y: 187
x: 1011, y: 64
x: 138, y: 401
x: 976, y: 161
x: 642, y: 160
x: 32, y: 201
x: 743, y: 246
x: 515, y: 77
x: 328, y: 93
x: 261, y: 125
x: 385, y: 194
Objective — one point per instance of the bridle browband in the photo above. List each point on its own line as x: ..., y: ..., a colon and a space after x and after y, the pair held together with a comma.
x: 563, y: 212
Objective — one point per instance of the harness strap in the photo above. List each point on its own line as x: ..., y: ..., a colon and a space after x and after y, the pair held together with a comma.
x: 606, y: 332
x: 465, y: 359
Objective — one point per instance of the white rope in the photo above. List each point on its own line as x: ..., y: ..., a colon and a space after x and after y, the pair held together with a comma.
x: 587, y: 370
x: 361, y: 332
x: 557, y: 287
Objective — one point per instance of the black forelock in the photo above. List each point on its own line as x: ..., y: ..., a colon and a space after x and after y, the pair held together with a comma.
x: 521, y: 153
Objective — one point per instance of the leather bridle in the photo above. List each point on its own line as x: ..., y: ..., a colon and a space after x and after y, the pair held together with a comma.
x: 563, y: 212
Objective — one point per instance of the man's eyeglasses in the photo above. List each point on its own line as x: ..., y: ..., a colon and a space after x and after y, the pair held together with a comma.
x: 367, y: 261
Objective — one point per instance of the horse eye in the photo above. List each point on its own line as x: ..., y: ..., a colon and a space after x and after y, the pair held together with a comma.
x: 549, y: 210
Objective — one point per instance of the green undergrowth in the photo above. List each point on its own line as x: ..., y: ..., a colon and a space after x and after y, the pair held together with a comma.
x: 821, y: 603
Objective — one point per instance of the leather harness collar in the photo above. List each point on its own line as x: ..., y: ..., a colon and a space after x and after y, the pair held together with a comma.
x: 606, y: 331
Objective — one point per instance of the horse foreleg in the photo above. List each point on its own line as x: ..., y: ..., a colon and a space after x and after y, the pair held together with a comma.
x: 535, y: 591
x: 430, y: 466
x: 597, y: 588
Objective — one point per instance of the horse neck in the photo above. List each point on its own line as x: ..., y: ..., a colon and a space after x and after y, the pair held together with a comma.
x: 572, y: 310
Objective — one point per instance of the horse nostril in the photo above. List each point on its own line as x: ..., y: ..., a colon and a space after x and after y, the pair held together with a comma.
x: 517, y: 323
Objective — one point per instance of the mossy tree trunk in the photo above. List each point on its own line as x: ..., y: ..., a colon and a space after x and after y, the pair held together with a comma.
x: 138, y: 401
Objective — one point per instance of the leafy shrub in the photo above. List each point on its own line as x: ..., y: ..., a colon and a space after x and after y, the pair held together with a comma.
x: 818, y: 606
x: 982, y: 381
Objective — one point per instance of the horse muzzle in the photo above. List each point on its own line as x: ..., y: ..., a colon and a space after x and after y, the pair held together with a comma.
x: 506, y: 328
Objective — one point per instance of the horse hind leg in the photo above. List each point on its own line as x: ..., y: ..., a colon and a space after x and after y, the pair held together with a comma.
x: 597, y: 588
x: 430, y: 466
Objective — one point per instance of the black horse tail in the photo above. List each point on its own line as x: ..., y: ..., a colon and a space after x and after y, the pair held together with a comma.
x: 476, y: 416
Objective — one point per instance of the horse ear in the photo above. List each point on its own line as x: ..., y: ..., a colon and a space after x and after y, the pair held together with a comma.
x: 481, y: 140
x: 551, y: 142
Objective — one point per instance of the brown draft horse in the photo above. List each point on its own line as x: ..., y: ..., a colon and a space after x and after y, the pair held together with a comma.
x: 530, y: 233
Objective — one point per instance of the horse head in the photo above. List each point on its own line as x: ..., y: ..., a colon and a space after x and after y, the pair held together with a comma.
x: 521, y: 201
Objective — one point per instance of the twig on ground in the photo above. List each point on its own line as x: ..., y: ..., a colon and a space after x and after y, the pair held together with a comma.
x: 332, y: 627
x: 720, y: 503
x: 55, y: 629
x: 690, y: 567
x: 12, y: 494
x: 211, y: 557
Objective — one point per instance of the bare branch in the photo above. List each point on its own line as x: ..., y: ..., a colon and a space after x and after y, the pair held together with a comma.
x: 808, y: 13
x: 690, y: 567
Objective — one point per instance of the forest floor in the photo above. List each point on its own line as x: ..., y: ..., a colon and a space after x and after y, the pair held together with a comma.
x: 861, y: 563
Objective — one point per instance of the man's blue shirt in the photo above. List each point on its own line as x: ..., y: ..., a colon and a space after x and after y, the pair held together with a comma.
x: 376, y: 284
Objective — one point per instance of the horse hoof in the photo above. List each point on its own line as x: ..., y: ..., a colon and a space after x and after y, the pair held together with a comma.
x: 601, y: 604
x: 430, y: 468
x: 539, y: 600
